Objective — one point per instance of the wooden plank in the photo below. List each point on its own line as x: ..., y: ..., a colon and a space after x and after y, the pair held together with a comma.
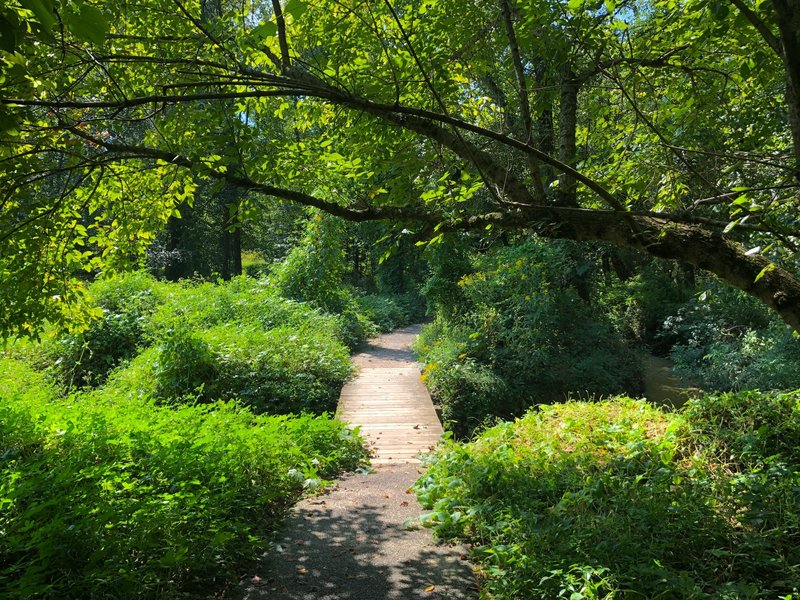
x: 391, y: 404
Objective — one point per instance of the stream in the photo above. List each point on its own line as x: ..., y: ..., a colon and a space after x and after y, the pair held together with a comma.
x: 661, y: 385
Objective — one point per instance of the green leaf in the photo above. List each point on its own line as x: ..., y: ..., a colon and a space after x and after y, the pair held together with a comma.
x: 731, y: 225
x: 770, y: 267
x: 88, y: 24
x: 8, y: 122
x: 8, y: 40
x: 263, y: 31
x: 575, y: 5
x: 295, y: 8
x: 43, y: 9
x: 719, y: 10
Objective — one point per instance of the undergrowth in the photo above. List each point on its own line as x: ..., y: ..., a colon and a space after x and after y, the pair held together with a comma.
x: 616, y: 499
x: 109, y: 496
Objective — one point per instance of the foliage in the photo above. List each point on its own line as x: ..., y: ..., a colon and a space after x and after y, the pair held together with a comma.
x: 668, y: 128
x: 616, y: 499
x: 470, y: 393
x: 283, y: 370
x: 188, y: 329
x: 243, y: 300
x: 103, y: 495
x: 389, y: 312
x: 449, y: 262
x: 271, y: 232
x: 524, y: 336
x: 314, y: 272
x: 203, y: 341
x: 639, y: 305
x: 85, y: 358
x: 729, y: 341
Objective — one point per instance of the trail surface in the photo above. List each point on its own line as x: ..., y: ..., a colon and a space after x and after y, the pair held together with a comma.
x: 389, y: 401
x: 361, y: 541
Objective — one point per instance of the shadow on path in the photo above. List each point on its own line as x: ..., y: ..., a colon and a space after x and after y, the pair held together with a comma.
x: 389, y: 350
x: 362, y: 541
x: 357, y: 543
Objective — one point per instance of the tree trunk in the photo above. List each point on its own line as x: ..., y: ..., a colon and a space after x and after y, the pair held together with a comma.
x: 567, y: 148
x: 177, y: 265
x: 787, y: 13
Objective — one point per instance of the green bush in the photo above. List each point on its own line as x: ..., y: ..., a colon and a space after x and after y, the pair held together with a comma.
x: 639, y: 306
x: 617, y: 499
x: 767, y: 359
x: 729, y: 341
x: 391, y: 312
x: 524, y: 336
x: 104, y: 496
x: 198, y: 340
x: 471, y: 393
x: 124, y: 305
x: 283, y: 370
x: 383, y: 311
x: 413, y: 305
x: 745, y: 429
x: 314, y: 272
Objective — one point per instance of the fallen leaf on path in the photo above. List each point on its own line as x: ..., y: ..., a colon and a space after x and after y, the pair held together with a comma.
x: 301, y: 570
x: 430, y: 588
x: 404, y: 503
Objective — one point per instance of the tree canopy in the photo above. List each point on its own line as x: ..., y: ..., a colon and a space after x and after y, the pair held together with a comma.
x: 667, y: 126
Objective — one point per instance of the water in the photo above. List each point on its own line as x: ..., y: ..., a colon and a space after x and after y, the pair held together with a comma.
x: 662, y: 386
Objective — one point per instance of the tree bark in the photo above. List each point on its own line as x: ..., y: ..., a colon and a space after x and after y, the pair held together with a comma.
x: 787, y: 13
x: 774, y: 286
x: 567, y: 148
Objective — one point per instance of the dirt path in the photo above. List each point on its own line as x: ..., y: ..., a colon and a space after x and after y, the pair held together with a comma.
x: 361, y: 541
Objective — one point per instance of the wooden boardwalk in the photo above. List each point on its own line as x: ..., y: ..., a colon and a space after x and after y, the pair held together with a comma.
x: 388, y: 400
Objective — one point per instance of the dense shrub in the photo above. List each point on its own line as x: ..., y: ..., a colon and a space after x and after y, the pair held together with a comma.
x: 242, y: 300
x: 102, y: 496
x: 413, y: 304
x: 314, y: 272
x: 745, y: 429
x: 470, y: 393
x: 730, y: 341
x: 524, y: 336
x: 199, y: 340
x: 617, y: 499
x: 392, y: 311
x: 124, y: 305
x: 282, y: 370
x: 639, y: 305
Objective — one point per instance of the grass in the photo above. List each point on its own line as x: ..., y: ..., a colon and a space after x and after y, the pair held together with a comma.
x: 154, y: 454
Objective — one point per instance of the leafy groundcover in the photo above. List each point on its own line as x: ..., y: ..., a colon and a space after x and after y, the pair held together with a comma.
x: 617, y: 499
x: 107, y: 496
